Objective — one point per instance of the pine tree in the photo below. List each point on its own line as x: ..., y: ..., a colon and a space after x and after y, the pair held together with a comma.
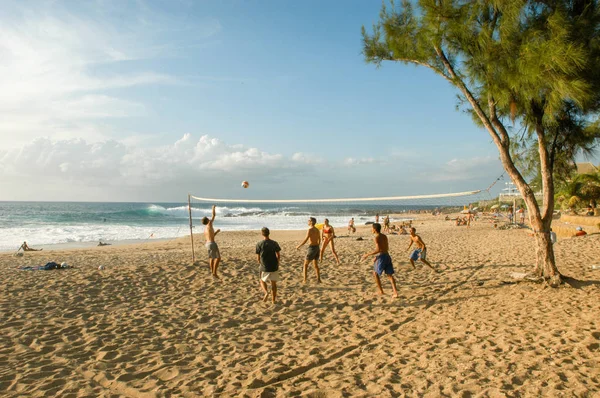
x: 531, y: 63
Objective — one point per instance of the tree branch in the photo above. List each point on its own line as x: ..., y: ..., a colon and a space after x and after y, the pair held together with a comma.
x: 501, y: 144
x: 545, y: 164
x: 468, y: 95
x: 417, y: 62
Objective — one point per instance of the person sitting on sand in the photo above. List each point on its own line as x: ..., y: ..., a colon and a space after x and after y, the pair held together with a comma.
x: 267, y: 253
x: 382, y: 262
x: 420, y: 251
x: 328, y: 234
x: 351, y: 227
x: 580, y: 232
x: 214, y: 256
x: 312, y: 252
x: 403, y: 231
x: 26, y: 248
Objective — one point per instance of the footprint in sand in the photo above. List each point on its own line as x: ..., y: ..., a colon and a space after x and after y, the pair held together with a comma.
x: 167, y: 374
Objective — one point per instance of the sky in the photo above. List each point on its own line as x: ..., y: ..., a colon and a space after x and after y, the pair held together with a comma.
x: 148, y: 100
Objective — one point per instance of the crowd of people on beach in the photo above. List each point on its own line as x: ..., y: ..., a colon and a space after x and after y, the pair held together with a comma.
x: 268, y: 252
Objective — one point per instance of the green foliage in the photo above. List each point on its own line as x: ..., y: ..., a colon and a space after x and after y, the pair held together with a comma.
x: 579, y: 192
x: 535, y: 63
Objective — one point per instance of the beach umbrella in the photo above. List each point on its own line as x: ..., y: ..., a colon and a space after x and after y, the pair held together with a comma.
x: 494, y: 207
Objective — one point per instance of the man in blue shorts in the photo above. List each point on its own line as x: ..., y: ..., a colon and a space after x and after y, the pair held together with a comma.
x: 383, y: 262
x: 420, y: 251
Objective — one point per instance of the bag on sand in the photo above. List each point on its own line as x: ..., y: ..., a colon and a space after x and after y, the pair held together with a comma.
x: 51, y: 265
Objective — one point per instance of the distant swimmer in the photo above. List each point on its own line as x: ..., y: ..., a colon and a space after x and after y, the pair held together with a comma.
x: 214, y: 256
x: 26, y: 248
x: 351, y: 227
x: 312, y: 252
x: 382, y: 264
x: 420, y: 251
x: 328, y: 237
x: 268, y: 255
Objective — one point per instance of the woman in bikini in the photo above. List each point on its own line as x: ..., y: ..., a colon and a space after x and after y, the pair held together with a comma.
x: 327, y: 237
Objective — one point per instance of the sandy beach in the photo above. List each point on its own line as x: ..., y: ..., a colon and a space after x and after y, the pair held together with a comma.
x: 151, y: 324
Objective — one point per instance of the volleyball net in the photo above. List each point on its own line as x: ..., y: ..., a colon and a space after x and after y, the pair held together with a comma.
x: 291, y: 214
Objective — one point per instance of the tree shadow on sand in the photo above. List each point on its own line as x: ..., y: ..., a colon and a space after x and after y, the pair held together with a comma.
x: 579, y: 284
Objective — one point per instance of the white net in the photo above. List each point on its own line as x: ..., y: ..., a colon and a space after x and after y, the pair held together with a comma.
x: 290, y: 214
x: 433, y: 197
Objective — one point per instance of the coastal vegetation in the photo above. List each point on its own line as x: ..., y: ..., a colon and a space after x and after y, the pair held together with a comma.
x: 527, y: 71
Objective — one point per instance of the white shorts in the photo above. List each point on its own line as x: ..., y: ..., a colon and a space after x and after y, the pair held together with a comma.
x: 269, y: 276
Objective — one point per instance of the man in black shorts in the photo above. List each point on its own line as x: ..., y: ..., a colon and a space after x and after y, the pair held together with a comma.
x: 267, y: 252
x: 313, y: 251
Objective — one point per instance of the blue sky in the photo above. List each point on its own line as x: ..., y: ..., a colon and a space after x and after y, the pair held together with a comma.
x: 149, y: 100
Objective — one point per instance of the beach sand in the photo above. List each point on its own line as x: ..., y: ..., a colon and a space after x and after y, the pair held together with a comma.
x: 151, y: 324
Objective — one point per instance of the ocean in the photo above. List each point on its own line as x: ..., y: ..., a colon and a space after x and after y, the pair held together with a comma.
x: 48, y: 223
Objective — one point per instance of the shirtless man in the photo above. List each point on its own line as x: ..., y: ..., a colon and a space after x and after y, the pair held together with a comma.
x: 383, y: 262
x: 312, y: 252
x: 420, y: 251
x: 214, y: 257
x: 351, y: 227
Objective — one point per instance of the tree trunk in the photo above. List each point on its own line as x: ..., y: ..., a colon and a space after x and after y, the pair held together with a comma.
x: 545, y: 262
x: 540, y: 220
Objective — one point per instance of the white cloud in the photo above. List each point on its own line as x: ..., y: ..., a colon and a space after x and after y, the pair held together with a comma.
x: 465, y: 169
x: 358, y: 161
x: 306, y: 158
x: 59, y: 70
x: 78, y: 165
x: 77, y: 169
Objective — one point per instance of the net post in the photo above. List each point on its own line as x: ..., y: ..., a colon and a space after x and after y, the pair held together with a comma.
x: 191, y: 231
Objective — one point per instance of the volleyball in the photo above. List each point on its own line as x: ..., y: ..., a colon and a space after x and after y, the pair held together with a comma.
x: 101, y: 267
x: 245, y: 184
